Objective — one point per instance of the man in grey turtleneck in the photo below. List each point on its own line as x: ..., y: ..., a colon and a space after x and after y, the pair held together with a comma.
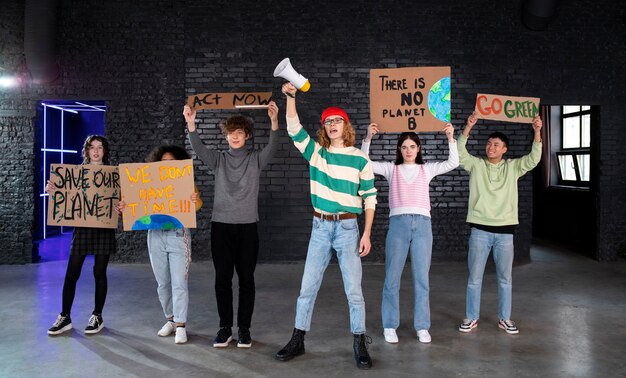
x: 234, y: 236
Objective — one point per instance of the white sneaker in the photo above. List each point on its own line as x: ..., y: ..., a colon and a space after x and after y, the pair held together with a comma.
x: 390, y: 335
x: 181, y: 335
x: 167, y: 329
x: 423, y: 336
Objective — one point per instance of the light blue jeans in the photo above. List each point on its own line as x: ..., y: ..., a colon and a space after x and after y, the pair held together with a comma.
x: 343, y: 237
x: 407, y: 233
x: 167, y: 249
x: 480, y: 245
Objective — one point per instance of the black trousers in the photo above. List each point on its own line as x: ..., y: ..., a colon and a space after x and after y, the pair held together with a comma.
x: 234, y: 247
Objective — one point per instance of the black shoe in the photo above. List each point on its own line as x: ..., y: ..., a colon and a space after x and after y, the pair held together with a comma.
x: 62, y: 324
x: 363, y: 360
x: 294, y: 347
x: 224, y: 336
x: 95, y: 324
x: 245, y: 341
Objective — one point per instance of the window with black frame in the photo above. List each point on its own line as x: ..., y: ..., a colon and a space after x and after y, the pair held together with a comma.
x: 574, y: 157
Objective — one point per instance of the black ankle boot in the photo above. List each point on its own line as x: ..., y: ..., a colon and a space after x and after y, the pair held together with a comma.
x: 294, y: 347
x: 363, y: 360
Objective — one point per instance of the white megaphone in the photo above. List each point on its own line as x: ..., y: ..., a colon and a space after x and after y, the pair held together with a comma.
x: 286, y: 71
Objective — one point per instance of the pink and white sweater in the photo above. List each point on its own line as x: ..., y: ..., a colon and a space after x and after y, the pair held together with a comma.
x: 409, y: 183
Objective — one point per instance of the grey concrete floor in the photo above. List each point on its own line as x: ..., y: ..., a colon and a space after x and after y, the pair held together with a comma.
x: 570, y: 311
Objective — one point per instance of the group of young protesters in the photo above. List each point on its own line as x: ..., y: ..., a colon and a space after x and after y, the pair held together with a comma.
x: 342, y: 188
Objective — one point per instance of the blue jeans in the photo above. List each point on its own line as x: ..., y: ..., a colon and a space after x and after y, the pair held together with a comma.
x: 167, y: 249
x: 343, y: 237
x: 407, y: 233
x: 480, y: 244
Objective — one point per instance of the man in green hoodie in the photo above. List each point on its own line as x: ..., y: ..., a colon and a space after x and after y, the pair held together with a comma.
x: 492, y: 216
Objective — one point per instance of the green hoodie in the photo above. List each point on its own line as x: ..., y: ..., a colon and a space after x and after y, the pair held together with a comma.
x: 493, y: 187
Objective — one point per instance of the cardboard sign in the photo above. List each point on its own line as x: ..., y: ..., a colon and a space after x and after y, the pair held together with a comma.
x: 157, y: 195
x: 506, y: 108
x: 229, y: 100
x: 84, y: 195
x: 410, y: 99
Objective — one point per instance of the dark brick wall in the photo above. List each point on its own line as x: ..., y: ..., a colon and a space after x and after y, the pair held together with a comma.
x: 129, y: 54
x: 16, y: 189
x: 16, y: 146
x: 145, y: 57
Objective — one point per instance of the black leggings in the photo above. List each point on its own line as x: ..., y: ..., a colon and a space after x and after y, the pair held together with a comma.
x: 74, y: 266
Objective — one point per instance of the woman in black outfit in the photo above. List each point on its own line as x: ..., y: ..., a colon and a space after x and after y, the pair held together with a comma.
x: 99, y: 242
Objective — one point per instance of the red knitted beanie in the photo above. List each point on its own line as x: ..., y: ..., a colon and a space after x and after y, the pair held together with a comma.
x: 334, y: 111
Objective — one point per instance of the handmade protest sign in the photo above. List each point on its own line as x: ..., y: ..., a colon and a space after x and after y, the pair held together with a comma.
x: 229, y: 100
x: 410, y: 98
x: 158, y: 195
x: 84, y: 195
x: 506, y: 108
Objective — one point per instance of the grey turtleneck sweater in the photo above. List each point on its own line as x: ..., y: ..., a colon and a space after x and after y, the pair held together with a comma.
x: 237, y: 173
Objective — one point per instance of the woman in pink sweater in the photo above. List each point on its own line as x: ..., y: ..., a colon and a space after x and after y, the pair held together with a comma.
x: 409, y: 226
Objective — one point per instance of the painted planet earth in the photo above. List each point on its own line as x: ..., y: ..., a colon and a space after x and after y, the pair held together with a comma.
x: 157, y: 222
x: 439, y: 99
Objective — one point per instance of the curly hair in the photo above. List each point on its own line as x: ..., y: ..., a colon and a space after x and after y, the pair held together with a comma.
x: 237, y: 122
x: 404, y: 136
x: 157, y: 153
x: 105, y: 146
x: 348, y: 135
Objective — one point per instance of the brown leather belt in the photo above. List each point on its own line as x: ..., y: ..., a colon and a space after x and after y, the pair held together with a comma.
x: 334, y: 217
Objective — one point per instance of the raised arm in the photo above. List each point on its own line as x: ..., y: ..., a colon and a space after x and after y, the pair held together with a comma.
x: 380, y: 168
x: 290, y: 91
x: 293, y: 123
x: 207, y: 155
x: 530, y: 161
x: 190, y: 118
x: 465, y: 159
x: 372, y: 130
x: 270, y: 149
x: 471, y: 121
x: 301, y: 139
x: 537, y: 125
x: 442, y: 167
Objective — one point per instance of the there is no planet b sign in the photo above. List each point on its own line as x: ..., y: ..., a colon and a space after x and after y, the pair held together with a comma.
x: 410, y: 98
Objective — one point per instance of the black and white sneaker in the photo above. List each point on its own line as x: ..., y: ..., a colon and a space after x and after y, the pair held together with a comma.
x: 245, y: 341
x: 467, y: 325
x: 509, y: 326
x: 62, y: 324
x: 95, y: 324
x: 224, y: 336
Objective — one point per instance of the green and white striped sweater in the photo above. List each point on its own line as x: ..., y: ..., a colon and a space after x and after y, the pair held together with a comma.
x: 341, y: 178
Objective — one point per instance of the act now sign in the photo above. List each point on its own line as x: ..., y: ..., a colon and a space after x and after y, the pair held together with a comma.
x: 506, y: 108
x: 258, y: 100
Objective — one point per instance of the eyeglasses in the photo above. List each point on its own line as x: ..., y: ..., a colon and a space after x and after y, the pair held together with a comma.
x: 334, y: 121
